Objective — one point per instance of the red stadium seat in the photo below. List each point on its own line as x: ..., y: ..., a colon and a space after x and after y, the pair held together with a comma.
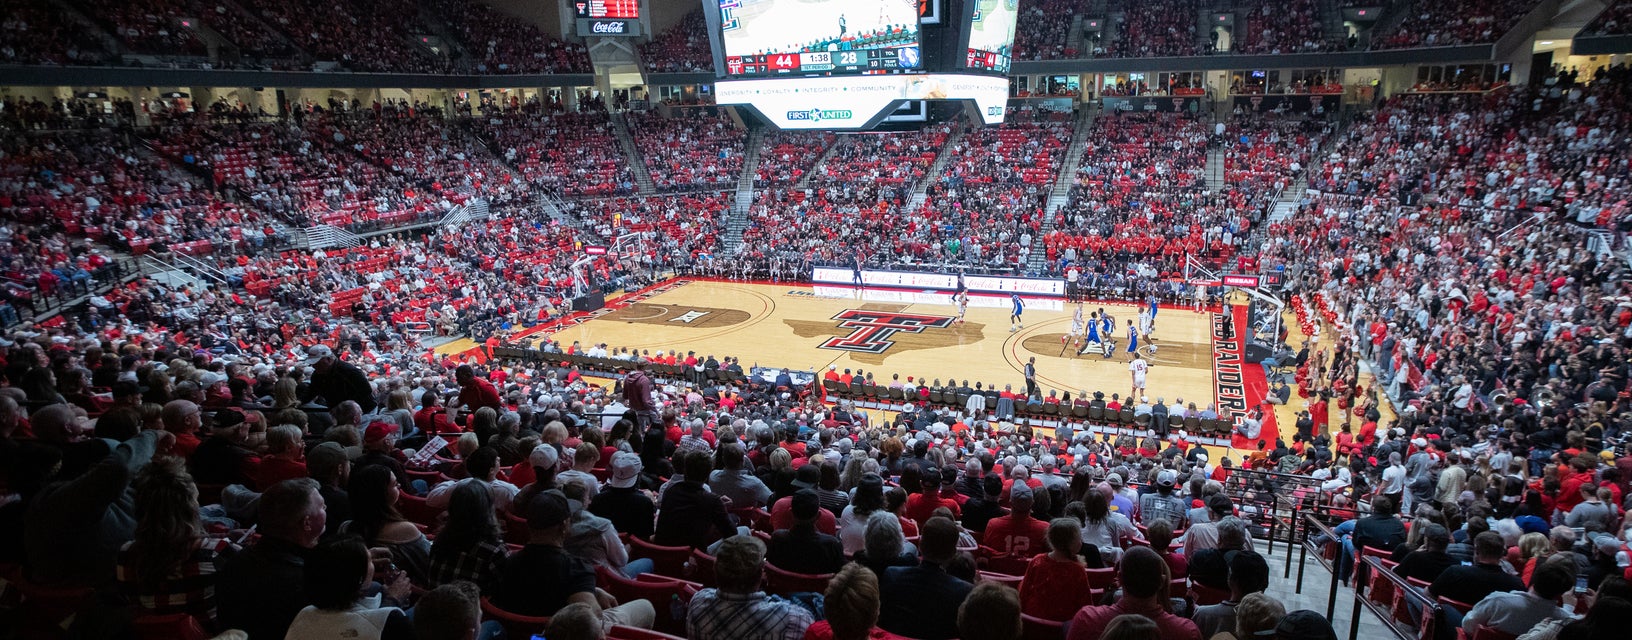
x: 515, y: 625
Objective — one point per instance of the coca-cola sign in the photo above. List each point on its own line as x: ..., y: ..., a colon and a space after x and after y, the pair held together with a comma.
x: 606, y: 27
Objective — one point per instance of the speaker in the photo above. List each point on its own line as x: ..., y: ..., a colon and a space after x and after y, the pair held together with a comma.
x: 589, y: 301
x: 1257, y: 352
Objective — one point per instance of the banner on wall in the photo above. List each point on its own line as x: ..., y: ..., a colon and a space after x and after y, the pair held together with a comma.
x: 1161, y: 104
x: 941, y: 281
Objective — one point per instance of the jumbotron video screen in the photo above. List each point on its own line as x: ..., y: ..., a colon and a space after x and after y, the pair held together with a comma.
x: 991, y: 35
x: 819, y: 37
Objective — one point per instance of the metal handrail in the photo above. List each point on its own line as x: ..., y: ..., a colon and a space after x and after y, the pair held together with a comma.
x: 1433, y: 611
x: 1303, y: 558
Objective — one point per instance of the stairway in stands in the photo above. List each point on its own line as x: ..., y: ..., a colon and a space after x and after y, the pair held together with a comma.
x: 738, y: 218
x: 1073, y: 38
x: 1060, y: 195
x: 920, y: 192
x: 1215, y: 170
x: 637, y: 163
x: 820, y: 165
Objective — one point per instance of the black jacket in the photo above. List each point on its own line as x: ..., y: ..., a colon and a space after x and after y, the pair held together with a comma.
x: 343, y: 381
x: 260, y: 590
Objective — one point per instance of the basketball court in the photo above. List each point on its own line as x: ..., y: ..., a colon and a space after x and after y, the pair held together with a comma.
x: 890, y: 332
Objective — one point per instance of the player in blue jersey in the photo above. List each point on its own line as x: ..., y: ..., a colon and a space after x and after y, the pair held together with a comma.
x: 1014, y: 316
x: 1133, y: 339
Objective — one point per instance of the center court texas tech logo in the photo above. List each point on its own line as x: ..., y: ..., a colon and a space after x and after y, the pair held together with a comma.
x: 870, y: 331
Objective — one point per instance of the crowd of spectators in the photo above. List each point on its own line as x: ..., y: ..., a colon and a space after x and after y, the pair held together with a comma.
x: 502, y: 43
x: 884, y: 159
x: 786, y: 156
x: 988, y: 204
x: 1616, y: 19
x: 151, y: 26
x: 683, y: 48
x: 362, y: 35
x: 1537, y: 147
x: 1042, y: 31
x: 692, y: 149
x: 1459, y: 22
x: 572, y: 154
x: 1139, y: 199
x: 1155, y: 29
x: 1277, y: 28
x: 99, y: 184
x: 34, y: 32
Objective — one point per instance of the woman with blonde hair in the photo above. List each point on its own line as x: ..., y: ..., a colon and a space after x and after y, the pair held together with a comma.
x: 169, y: 567
x: 851, y: 605
x: 1534, y: 548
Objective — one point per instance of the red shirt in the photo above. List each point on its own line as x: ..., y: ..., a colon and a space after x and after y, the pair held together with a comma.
x: 480, y: 393
x: 1090, y: 622
x: 1053, y: 590
x: 822, y: 630
x: 275, y: 470
x: 921, y: 506
x: 782, y: 517
x: 185, y: 444
x: 1016, y: 534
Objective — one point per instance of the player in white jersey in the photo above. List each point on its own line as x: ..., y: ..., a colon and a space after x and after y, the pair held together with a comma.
x: 1201, y: 299
x: 1137, y: 369
x: 963, y: 305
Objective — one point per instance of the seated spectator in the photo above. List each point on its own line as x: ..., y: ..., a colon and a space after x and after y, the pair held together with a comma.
x: 261, y: 590
x: 374, y: 518
x: 801, y: 548
x: 1304, y: 625
x: 1144, y: 581
x: 885, y: 545
x: 1018, y: 533
x: 1470, y: 584
x: 921, y: 505
x: 1211, y: 567
x: 1427, y: 563
x: 594, y: 539
x: 1056, y: 583
x: 922, y: 601
x: 690, y: 514
x: 75, y: 525
x: 1249, y: 574
x: 627, y: 506
x: 1160, y: 535
x: 738, y: 609
x: 576, y: 621
x: 1517, y: 611
x: 453, y: 611
x: 737, y: 483
x: 222, y: 457
x: 1256, y: 616
x: 990, y: 612
x: 852, y: 525
x: 331, y: 468
x: 851, y: 605
x: 543, y: 578
x: 335, y: 581
x: 483, y: 467
x: 470, y: 547
x: 170, y: 565
x: 1103, y: 529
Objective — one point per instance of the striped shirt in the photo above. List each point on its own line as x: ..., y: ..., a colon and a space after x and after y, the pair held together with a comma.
x: 190, y: 587
x: 718, y: 615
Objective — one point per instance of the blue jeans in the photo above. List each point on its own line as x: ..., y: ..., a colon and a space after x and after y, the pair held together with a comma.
x: 638, y: 566
x: 1345, y: 559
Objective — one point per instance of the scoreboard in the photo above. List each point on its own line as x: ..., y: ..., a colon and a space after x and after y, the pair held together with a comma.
x: 822, y: 62
x: 614, y: 9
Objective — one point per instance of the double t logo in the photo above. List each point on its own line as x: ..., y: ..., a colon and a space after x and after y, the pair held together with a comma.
x: 871, y: 330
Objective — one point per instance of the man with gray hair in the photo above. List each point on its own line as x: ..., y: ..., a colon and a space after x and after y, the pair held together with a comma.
x: 695, y: 440
x: 1211, y: 567
x: 738, y: 609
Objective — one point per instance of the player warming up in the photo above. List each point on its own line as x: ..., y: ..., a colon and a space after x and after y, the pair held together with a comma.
x: 963, y: 306
x: 1014, y: 316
